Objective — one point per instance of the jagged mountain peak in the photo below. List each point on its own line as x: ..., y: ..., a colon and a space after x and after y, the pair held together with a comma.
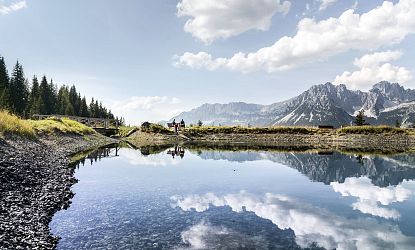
x: 323, y: 104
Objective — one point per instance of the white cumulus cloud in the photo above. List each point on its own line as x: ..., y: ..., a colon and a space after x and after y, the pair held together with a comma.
x: 374, y: 68
x: 12, y: 7
x: 137, y: 109
x: 385, y: 25
x: 221, y: 19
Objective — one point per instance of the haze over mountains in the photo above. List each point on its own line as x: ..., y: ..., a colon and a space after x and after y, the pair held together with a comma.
x: 325, y: 104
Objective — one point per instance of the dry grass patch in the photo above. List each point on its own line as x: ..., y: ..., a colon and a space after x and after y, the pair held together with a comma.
x: 205, y: 130
x: 372, y: 130
x: 57, y: 125
x: 13, y: 125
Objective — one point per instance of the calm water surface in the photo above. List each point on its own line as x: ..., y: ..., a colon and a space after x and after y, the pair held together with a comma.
x: 210, y: 199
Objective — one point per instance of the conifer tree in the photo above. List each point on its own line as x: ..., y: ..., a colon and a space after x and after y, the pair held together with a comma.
x: 47, y: 97
x: 360, y: 118
x: 34, y: 98
x: 53, y: 96
x: 18, y: 91
x: 4, y: 85
x: 73, y: 98
x: 84, y: 112
x: 92, y: 108
x: 64, y: 105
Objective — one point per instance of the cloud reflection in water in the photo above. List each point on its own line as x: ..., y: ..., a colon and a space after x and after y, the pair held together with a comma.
x: 134, y: 157
x: 370, y: 195
x: 310, y: 224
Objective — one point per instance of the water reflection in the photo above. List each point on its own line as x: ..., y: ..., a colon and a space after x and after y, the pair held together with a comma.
x: 383, y: 171
x: 290, y: 200
x: 370, y: 196
x: 96, y: 155
x: 310, y: 224
x: 176, y: 151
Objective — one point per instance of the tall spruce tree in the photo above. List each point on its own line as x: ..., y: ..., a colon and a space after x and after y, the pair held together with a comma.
x: 19, y: 92
x: 47, y: 104
x: 92, y: 109
x: 4, y: 85
x: 84, y: 111
x: 75, y: 100
x: 53, y: 95
x: 34, y: 98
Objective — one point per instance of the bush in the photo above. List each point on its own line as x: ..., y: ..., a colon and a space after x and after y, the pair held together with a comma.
x: 11, y: 124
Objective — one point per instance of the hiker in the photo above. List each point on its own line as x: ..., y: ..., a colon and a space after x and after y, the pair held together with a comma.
x: 182, y: 124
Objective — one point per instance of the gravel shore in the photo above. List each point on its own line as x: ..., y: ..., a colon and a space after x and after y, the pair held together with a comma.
x: 35, y: 182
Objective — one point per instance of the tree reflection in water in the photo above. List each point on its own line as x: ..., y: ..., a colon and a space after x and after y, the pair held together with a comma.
x: 96, y: 155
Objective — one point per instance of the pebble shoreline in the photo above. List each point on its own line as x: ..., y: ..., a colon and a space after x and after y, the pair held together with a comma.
x: 35, y: 183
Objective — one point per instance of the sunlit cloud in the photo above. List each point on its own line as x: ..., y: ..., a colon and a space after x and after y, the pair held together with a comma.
x: 386, y: 25
x: 12, y: 7
x: 374, y: 68
x: 138, y: 109
x: 215, y: 19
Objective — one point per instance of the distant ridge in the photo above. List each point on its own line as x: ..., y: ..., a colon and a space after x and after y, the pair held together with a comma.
x: 324, y: 104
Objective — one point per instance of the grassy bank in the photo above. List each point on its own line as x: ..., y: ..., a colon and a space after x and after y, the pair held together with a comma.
x: 367, y: 130
x: 13, y: 125
x: 294, y: 130
x: 207, y: 130
x: 378, y: 130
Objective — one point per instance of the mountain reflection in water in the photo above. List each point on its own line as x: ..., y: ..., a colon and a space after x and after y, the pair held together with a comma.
x: 357, y: 201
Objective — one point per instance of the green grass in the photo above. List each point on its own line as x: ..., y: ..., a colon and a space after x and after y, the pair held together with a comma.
x: 58, y: 125
x: 373, y: 130
x: 206, y: 130
x: 13, y: 125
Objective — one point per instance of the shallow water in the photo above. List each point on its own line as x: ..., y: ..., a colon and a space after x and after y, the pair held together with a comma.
x: 132, y: 199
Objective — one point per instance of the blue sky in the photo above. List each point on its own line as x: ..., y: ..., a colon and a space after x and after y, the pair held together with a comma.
x: 151, y: 59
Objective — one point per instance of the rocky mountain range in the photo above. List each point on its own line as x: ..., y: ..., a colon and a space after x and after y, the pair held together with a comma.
x: 325, y: 104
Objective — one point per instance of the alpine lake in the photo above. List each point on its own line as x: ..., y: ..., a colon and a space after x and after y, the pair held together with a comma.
x: 238, y: 197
